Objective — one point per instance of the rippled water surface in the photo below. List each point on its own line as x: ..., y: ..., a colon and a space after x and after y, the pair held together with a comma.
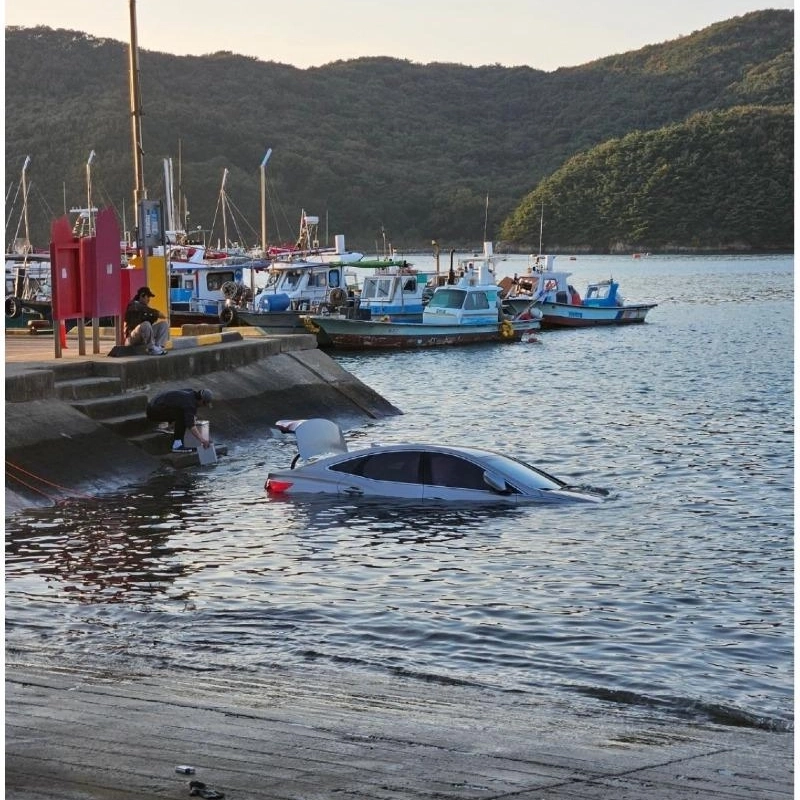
x: 673, y: 597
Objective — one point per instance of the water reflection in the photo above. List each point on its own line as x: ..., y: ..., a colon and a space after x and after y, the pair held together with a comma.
x: 104, y: 551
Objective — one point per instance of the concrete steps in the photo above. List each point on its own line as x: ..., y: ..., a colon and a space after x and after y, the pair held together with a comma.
x: 83, y: 388
x: 113, y: 406
x: 103, y: 400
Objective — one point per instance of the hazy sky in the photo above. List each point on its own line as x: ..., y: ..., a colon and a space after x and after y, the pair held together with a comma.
x: 543, y: 35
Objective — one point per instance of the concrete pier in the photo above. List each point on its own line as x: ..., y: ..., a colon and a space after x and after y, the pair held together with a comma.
x: 326, y: 735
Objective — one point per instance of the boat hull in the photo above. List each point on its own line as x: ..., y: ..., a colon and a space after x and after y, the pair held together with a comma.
x: 26, y: 311
x: 282, y: 322
x: 564, y: 315
x: 351, y: 334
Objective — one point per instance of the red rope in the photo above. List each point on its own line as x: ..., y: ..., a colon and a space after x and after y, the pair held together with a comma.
x: 41, y: 480
x: 28, y: 485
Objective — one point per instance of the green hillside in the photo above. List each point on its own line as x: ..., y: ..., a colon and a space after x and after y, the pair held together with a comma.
x: 721, y: 180
x: 364, y: 143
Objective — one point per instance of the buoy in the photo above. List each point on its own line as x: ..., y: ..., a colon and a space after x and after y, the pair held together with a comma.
x: 62, y: 333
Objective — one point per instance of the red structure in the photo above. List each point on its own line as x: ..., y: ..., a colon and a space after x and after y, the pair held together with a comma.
x: 86, y: 275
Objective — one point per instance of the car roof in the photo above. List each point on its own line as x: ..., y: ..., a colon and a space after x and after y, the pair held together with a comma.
x: 475, y: 452
x: 319, y: 437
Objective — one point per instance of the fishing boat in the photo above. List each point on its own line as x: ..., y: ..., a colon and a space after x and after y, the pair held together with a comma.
x: 307, y: 248
x: 466, y: 310
x: 561, y: 305
x: 296, y: 287
x: 207, y: 289
x: 28, y: 295
x: 383, y: 287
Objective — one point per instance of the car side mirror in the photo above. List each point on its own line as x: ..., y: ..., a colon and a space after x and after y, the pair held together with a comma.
x: 495, y: 482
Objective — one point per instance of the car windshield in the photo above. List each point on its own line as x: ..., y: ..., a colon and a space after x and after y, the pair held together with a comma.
x: 520, y: 473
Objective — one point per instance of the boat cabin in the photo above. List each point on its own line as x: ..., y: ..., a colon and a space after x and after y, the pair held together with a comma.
x: 472, y: 299
x: 307, y: 285
x: 396, y: 292
x: 603, y: 294
x: 28, y: 275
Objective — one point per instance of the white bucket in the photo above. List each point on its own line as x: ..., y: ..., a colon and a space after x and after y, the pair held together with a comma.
x: 207, y: 455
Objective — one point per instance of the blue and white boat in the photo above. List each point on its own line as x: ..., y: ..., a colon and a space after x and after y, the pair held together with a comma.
x: 560, y: 303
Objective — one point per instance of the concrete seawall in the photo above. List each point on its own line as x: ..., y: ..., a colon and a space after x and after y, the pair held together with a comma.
x: 54, y: 450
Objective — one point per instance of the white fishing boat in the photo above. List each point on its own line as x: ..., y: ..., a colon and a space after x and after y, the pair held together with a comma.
x: 562, y: 306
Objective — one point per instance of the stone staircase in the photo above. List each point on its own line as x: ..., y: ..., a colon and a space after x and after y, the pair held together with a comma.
x: 104, y: 400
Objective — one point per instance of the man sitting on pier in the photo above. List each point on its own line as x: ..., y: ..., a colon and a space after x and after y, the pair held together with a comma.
x: 146, y: 325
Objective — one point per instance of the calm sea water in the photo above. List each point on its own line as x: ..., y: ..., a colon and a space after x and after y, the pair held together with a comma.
x: 673, y: 598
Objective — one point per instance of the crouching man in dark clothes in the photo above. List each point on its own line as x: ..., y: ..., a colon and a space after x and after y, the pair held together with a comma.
x: 180, y: 407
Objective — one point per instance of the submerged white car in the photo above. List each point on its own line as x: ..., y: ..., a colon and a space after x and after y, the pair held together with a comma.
x: 422, y: 472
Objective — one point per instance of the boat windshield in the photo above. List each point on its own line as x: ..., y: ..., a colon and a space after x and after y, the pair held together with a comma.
x: 377, y: 288
x: 447, y: 298
x: 291, y: 279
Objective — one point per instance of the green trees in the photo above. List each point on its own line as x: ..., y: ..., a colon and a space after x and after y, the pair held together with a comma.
x: 721, y: 180
x: 413, y: 147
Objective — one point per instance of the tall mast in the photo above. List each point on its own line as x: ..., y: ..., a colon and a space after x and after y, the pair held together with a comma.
x: 140, y: 192
x: 171, y: 220
x: 541, y: 228
x: 224, y: 209
x: 28, y: 247
x: 89, y: 192
x: 264, y: 201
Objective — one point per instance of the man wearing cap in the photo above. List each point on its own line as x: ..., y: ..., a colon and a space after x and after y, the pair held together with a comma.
x: 180, y: 408
x: 146, y: 325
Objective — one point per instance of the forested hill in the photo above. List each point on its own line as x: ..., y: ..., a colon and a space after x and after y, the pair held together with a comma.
x: 719, y: 181
x: 370, y: 142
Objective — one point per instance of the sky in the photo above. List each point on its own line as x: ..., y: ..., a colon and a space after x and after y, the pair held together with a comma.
x: 534, y: 33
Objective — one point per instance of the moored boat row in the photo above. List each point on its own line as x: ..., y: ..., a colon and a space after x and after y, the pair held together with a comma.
x: 467, y: 309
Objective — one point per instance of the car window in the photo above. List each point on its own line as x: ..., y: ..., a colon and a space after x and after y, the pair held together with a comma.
x: 455, y: 472
x: 400, y: 467
x: 521, y: 473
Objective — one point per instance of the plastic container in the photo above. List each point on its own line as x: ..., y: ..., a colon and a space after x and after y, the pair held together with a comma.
x: 207, y: 455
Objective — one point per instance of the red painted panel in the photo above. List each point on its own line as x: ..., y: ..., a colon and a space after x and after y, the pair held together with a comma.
x: 86, y: 258
x: 103, y: 268
x: 65, y: 271
x: 131, y: 280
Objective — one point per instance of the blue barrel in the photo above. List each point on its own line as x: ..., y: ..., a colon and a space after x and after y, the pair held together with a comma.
x: 273, y: 301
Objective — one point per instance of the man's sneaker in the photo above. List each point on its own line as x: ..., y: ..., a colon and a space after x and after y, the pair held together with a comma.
x: 155, y: 350
x: 177, y: 447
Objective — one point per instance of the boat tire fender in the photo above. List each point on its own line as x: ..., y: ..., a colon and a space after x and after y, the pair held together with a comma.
x: 338, y: 297
x: 227, y: 316
x: 13, y: 307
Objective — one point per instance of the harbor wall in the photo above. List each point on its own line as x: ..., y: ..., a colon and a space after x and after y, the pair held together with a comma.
x: 55, y: 451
